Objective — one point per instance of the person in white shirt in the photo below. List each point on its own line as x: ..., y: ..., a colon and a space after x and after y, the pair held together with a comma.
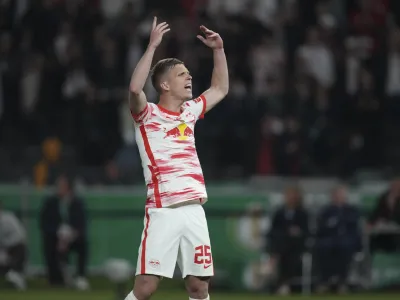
x: 317, y: 61
x: 12, y: 248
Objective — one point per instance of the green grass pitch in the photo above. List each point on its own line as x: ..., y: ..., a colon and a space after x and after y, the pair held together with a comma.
x: 170, y: 295
x: 102, y: 289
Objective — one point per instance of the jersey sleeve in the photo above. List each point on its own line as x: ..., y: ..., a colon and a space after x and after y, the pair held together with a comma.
x: 198, y: 106
x: 143, y: 116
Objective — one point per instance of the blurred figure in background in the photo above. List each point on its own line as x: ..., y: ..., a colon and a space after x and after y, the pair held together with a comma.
x: 251, y: 231
x: 386, y: 214
x: 63, y: 222
x: 46, y: 169
x: 252, y: 226
x: 315, y: 59
x: 338, y: 239
x: 287, y: 236
x: 12, y: 248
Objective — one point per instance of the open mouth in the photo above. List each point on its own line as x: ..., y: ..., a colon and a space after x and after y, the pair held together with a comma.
x: 188, y: 87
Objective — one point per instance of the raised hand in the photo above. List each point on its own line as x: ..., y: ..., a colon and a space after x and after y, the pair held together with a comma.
x: 212, y: 39
x: 157, y: 33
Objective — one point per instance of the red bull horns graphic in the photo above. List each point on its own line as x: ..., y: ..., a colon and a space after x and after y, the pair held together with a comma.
x: 181, y: 132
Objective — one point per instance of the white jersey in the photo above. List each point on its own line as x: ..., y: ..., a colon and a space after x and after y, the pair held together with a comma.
x: 167, y: 148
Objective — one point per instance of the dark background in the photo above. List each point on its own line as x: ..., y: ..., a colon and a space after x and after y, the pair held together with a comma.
x: 315, y: 86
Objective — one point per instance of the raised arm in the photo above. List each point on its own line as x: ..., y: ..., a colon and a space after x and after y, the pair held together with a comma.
x: 220, y: 77
x: 137, y: 98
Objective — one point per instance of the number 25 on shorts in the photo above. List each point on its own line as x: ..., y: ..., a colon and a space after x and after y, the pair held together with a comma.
x: 202, y: 256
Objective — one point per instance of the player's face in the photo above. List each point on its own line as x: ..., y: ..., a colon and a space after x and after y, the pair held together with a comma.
x: 180, y: 82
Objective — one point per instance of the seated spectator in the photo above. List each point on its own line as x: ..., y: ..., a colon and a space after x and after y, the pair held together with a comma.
x: 338, y: 239
x: 63, y: 225
x: 386, y: 215
x: 12, y: 248
x: 286, y: 239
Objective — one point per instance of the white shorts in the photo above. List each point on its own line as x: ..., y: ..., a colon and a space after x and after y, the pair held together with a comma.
x: 175, y: 235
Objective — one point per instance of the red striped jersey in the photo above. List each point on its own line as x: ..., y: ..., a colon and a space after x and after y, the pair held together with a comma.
x: 166, y: 143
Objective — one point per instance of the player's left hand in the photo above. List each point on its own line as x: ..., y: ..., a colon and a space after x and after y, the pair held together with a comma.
x: 212, y: 39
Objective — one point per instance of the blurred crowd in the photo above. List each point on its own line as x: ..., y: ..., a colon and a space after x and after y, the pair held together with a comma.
x: 315, y: 84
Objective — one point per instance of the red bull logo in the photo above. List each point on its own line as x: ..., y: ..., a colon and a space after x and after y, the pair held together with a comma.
x: 154, y: 263
x: 181, y: 132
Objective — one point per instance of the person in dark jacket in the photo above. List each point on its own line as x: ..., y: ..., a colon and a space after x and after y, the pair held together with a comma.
x: 338, y: 239
x: 286, y: 239
x: 63, y: 223
x: 386, y: 212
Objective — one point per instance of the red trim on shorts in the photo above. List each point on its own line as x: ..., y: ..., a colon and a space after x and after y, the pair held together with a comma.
x: 153, y: 167
x: 204, y: 106
x: 213, y: 264
x: 143, y: 255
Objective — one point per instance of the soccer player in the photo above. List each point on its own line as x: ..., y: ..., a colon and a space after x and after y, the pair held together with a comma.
x: 175, y: 226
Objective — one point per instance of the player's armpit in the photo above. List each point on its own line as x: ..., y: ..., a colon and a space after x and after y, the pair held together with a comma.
x: 212, y: 97
x: 140, y: 110
x: 137, y: 102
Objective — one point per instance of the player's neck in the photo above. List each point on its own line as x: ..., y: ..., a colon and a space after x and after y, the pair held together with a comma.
x: 171, y: 104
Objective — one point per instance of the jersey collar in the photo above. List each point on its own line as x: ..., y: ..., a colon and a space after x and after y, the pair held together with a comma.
x: 172, y: 113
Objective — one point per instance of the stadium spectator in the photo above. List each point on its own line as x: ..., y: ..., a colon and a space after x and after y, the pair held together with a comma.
x: 338, y: 239
x: 286, y: 239
x: 386, y: 214
x: 12, y: 248
x: 63, y: 222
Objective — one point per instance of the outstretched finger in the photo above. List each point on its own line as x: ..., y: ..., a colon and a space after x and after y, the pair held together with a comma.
x: 162, y: 28
x: 201, y: 38
x: 165, y: 30
x: 205, y: 29
x: 161, y: 25
x: 211, y: 34
x: 154, y: 23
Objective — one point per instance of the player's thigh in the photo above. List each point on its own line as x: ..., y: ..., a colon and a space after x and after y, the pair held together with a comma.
x: 159, y: 246
x: 195, y: 256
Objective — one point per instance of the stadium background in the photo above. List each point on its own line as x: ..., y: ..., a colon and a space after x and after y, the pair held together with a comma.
x: 314, y: 93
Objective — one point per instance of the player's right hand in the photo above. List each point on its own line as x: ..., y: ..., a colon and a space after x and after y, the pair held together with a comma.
x: 157, y: 33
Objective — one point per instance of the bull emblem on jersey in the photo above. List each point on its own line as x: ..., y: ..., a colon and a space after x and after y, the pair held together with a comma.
x: 181, y: 132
